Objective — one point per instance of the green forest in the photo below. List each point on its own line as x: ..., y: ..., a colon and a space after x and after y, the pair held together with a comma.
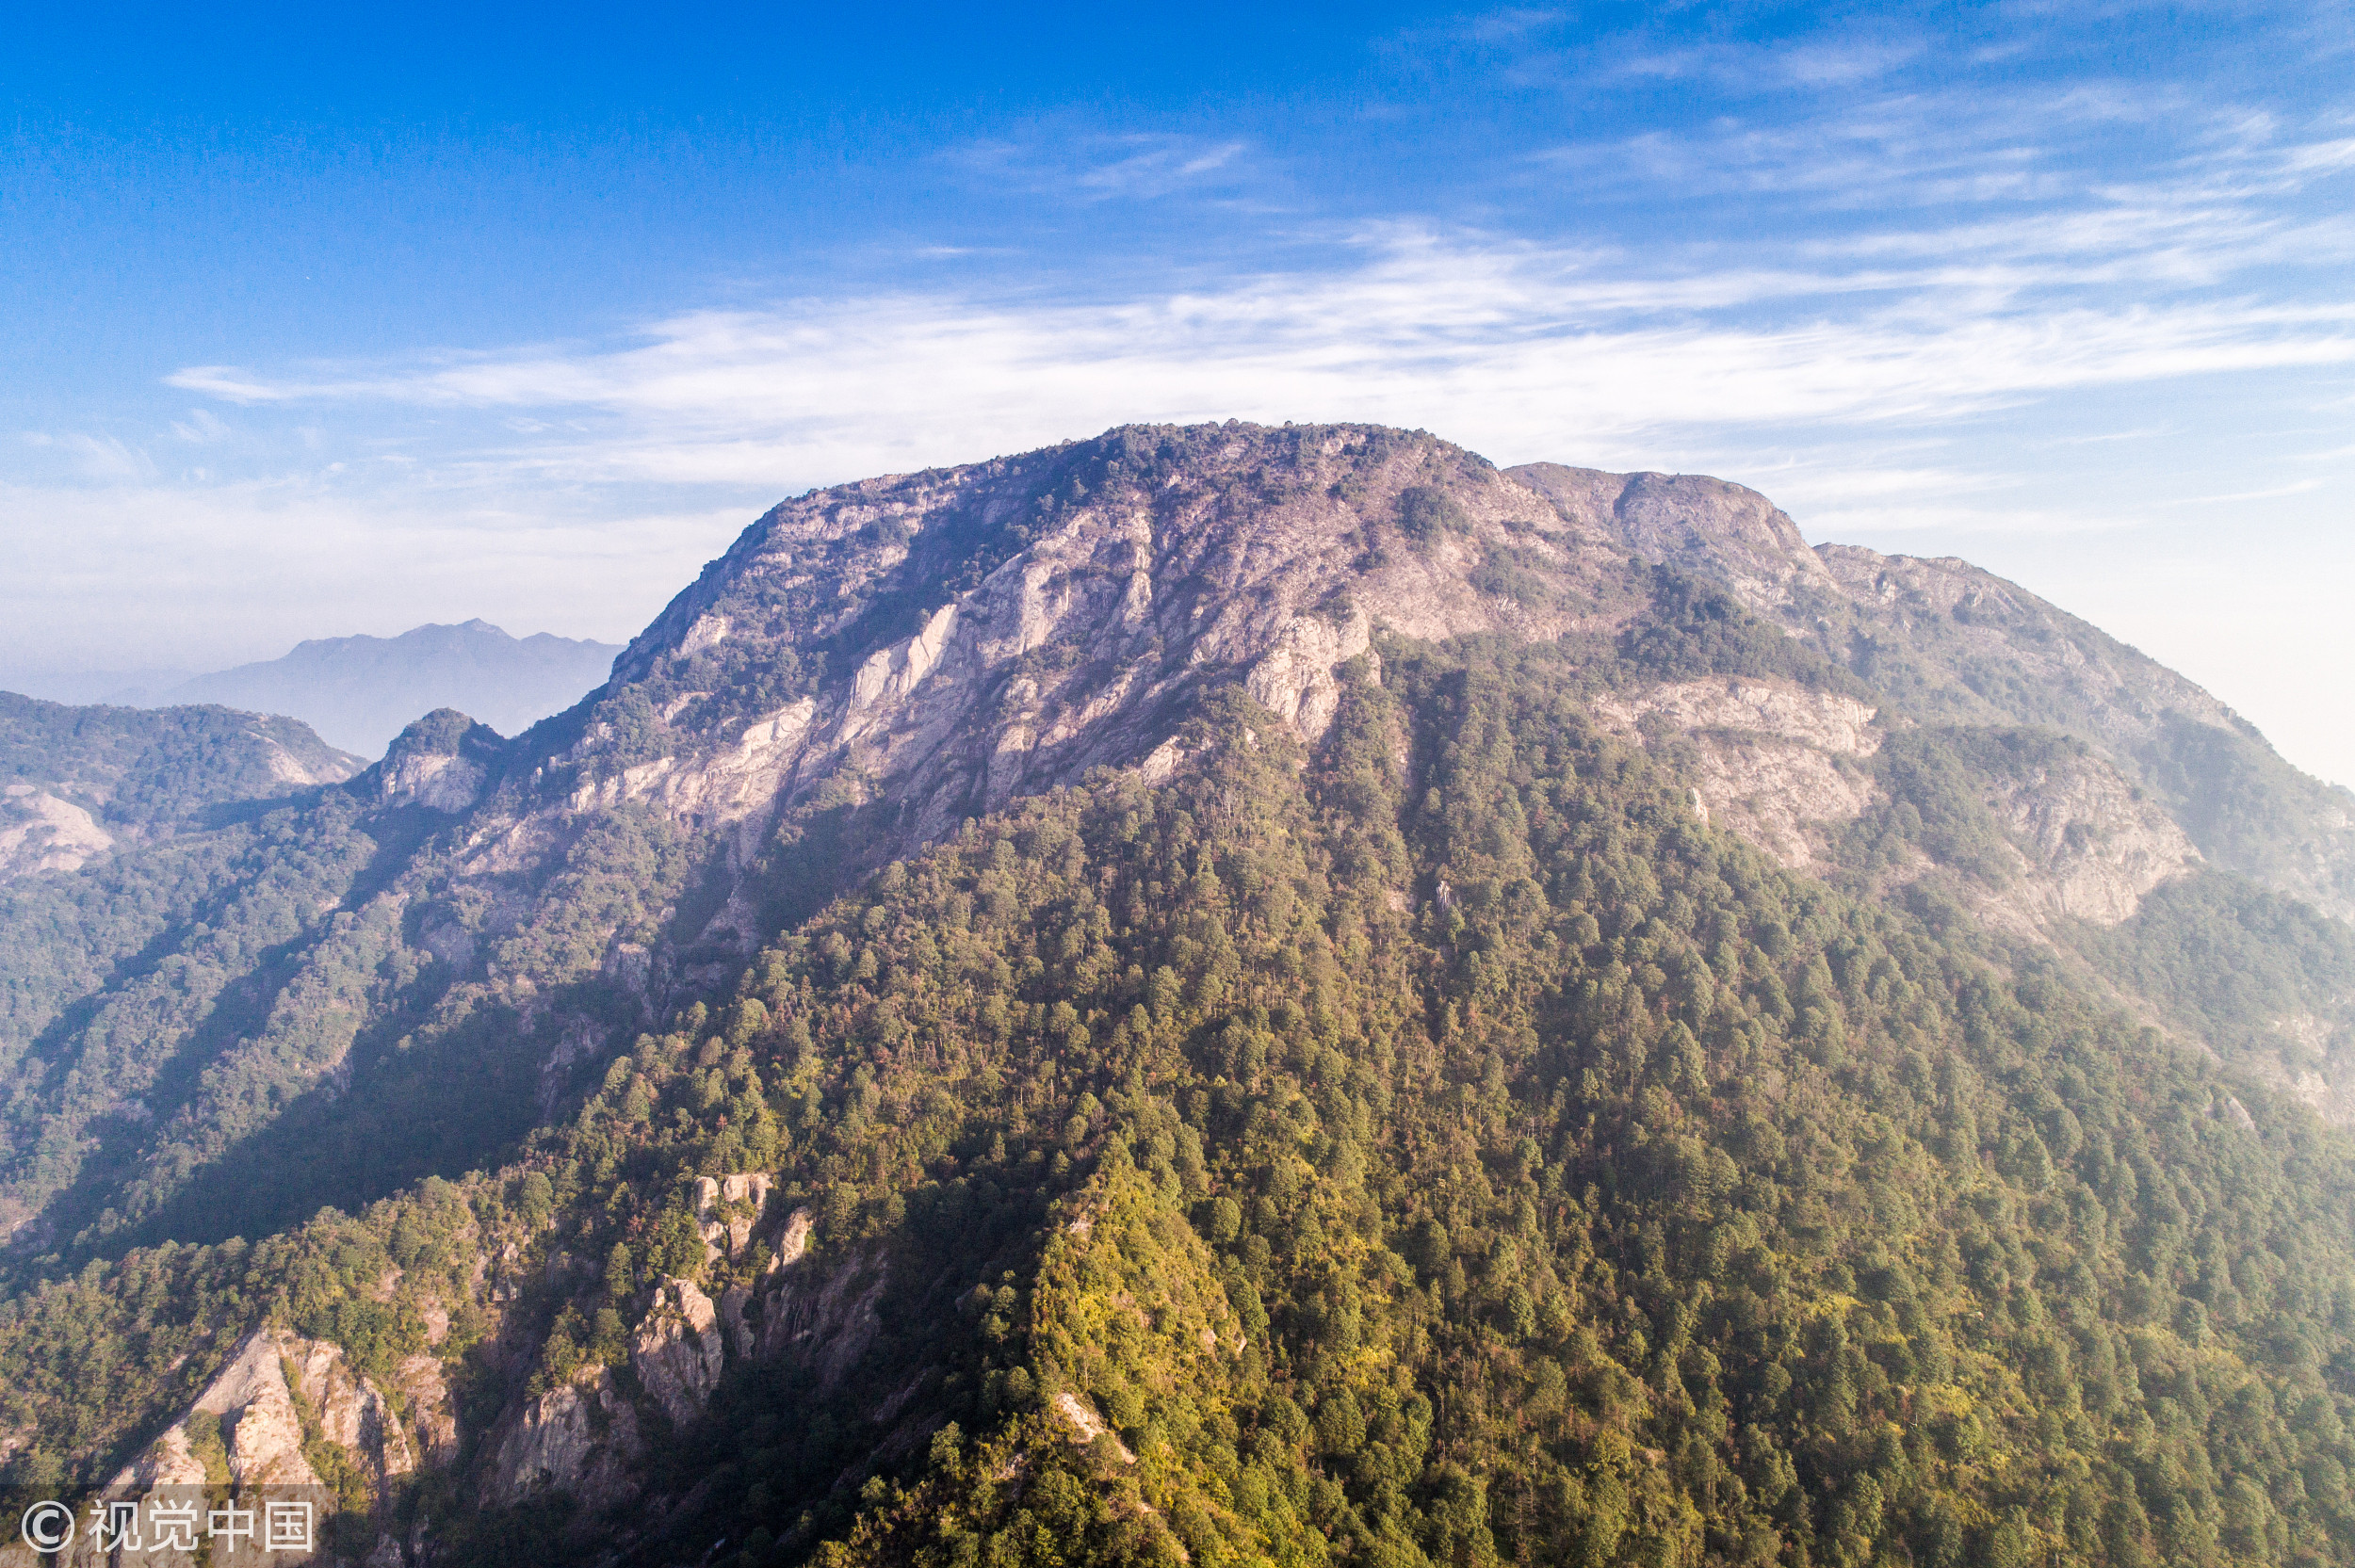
x: 154, y: 769
x: 1435, y: 1147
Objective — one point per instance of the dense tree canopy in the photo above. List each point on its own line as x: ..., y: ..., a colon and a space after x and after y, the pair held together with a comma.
x: 1438, y: 1146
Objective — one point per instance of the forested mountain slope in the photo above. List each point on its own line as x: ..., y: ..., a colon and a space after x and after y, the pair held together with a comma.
x: 2099, y: 775
x: 1227, y: 993
x: 75, y: 782
x: 123, y: 831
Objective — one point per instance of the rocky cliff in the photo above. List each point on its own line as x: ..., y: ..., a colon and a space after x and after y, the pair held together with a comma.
x: 965, y: 635
x: 1951, y: 644
x: 929, y: 646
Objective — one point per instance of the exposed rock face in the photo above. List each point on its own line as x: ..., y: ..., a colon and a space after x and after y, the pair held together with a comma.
x: 426, y: 1393
x: 2090, y: 846
x: 583, y: 1438
x: 1775, y: 763
x: 351, y: 1410
x: 1825, y: 720
x: 1005, y: 627
x: 440, y: 782
x: 677, y: 1352
x: 260, y: 1437
x: 257, y: 1418
x: 727, y: 1209
x: 735, y: 1322
x: 440, y: 762
x: 824, y: 1322
x: 259, y: 1426
x: 794, y: 1240
x: 1112, y: 578
x: 1773, y: 790
x: 1086, y: 1426
x: 1956, y: 644
x: 1689, y: 522
x: 587, y: 1438
x: 40, y: 832
x: 1766, y: 753
x: 168, y: 1461
x: 292, y: 770
x: 2312, y: 1040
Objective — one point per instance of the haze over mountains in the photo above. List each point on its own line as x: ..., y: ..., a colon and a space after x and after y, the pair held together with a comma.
x: 357, y: 693
x: 1223, y: 995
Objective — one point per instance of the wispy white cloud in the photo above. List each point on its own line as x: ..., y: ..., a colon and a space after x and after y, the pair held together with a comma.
x: 1509, y: 344
x: 1097, y: 166
x: 1508, y: 24
x: 93, y: 458
x: 1813, y: 62
x: 201, y: 428
x: 2000, y: 154
x: 1150, y: 166
x: 1853, y: 367
x: 2301, y: 487
x: 2048, y: 283
x: 577, y: 455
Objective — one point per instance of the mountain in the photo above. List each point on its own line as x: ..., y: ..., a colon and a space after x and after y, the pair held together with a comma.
x: 86, y: 688
x: 1232, y: 994
x: 359, y: 692
x: 121, y: 831
x: 75, y: 782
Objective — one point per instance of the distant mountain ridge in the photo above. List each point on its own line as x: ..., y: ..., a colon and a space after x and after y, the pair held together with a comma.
x: 359, y: 692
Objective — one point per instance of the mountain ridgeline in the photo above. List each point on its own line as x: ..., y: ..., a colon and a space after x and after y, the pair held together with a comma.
x: 1217, y: 996
x: 361, y: 691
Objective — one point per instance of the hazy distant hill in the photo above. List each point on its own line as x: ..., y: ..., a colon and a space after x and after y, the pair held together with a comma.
x: 358, y: 691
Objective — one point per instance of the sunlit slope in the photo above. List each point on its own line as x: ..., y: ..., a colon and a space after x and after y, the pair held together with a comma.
x: 1442, y: 1147
x: 1215, y: 993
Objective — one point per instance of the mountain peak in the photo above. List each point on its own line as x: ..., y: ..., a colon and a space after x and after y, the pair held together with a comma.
x: 439, y: 761
x: 1389, y: 986
x: 360, y: 691
x: 959, y: 637
x: 1713, y: 527
x: 925, y: 647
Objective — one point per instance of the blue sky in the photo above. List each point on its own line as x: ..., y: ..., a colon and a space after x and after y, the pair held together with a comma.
x: 317, y: 326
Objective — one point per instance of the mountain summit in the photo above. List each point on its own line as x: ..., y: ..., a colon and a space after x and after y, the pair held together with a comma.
x: 358, y: 691
x: 1231, y: 994
x: 935, y: 644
